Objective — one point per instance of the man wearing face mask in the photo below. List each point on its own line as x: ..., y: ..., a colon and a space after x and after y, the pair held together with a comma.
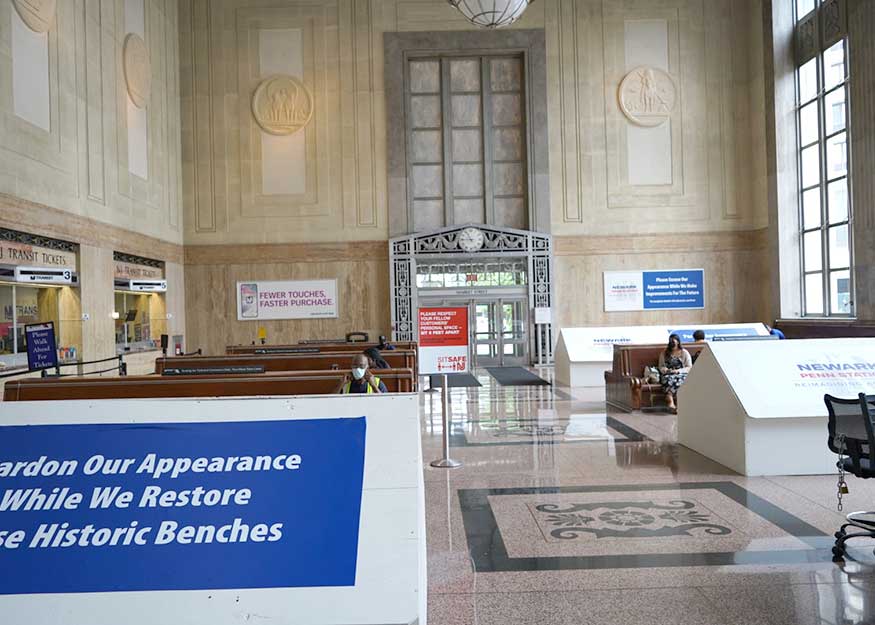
x: 360, y: 379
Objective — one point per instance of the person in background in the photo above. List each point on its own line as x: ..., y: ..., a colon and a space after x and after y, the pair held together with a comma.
x: 359, y: 379
x: 774, y: 331
x: 384, y: 345
x: 698, y: 337
x: 674, y: 364
x: 375, y: 359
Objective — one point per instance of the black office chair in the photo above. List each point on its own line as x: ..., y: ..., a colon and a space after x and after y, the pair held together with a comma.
x: 851, y: 436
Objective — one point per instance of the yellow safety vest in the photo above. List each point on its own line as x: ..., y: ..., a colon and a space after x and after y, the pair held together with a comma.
x: 370, y: 390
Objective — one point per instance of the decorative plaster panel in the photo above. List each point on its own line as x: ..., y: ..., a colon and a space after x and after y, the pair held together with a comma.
x: 339, y: 193
x: 138, y: 70
x: 698, y: 162
x: 39, y: 15
x: 256, y: 201
x: 282, y: 105
x: 647, y: 96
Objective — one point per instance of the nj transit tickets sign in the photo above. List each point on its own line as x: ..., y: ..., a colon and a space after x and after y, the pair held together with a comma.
x: 443, y: 340
x: 292, y: 299
x: 670, y: 289
x: 180, y: 506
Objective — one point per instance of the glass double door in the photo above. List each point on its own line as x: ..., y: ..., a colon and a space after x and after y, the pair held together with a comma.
x: 500, y: 333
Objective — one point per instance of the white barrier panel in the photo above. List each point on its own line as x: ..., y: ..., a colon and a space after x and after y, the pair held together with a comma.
x: 385, y: 577
x: 584, y: 354
x: 757, y: 407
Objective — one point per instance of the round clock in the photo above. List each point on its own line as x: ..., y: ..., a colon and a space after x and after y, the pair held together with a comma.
x: 471, y: 240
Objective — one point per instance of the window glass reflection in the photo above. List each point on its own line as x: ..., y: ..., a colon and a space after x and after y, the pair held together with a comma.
x: 814, y: 294
x: 834, y: 65
x: 840, y: 292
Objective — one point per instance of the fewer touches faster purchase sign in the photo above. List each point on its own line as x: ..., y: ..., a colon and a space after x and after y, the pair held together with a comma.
x: 286, y: 299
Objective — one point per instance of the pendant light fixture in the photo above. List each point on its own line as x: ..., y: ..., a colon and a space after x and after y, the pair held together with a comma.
x: 491, y: 13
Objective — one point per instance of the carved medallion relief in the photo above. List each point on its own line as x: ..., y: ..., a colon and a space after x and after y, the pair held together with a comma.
x: 138, y: 70
x: 39, y: 15
x: 282, y: 105
x: 647, y: 96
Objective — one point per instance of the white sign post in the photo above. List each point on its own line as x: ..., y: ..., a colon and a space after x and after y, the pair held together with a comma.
x: 286, y: 299
x: 443, y: 348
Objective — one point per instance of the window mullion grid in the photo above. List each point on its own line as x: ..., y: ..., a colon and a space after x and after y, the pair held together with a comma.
x: 824, y: 209
x: 802, y: 287
x: 447, y: 135
x: 827, y: 226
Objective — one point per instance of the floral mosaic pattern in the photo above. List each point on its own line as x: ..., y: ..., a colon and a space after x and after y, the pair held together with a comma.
x: 627, y: 519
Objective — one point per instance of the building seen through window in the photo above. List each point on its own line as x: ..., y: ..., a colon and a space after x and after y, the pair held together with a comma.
x: 825, y: 206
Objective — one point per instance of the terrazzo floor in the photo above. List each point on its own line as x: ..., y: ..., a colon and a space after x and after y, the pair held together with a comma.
x: 564, y: 511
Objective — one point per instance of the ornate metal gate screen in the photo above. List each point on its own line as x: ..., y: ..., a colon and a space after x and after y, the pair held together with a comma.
x: 405, y: 251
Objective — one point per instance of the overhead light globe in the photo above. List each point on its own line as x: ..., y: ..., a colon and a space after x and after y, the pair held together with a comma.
x: 491, y: 13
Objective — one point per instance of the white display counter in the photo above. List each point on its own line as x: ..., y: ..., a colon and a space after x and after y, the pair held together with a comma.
x: 583, y: 355
x: 389, y: 567
x: 757, y: 407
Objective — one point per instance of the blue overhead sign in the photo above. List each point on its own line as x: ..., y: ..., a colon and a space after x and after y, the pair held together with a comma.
x: 42, y: 349
x: 674, y: 289
x: 180, y: 506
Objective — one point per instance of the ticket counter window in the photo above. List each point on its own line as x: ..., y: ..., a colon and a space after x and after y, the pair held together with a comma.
x: 134, y: 314
x: 20, y: 306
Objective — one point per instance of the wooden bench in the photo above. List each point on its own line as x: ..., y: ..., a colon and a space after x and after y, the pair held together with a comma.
x: 315, y: 348
x: 825, y: 328
x: 397, y: 359
x: 288, y: 383
x: 624, y: 387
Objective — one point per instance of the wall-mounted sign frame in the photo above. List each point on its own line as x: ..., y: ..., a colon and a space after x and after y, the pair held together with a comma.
x: 286, y: 299
x: 661, y: 289
x: 42, y: 347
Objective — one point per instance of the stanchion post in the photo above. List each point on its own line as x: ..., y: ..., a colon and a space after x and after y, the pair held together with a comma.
x: 431, y: 388
x: 446, y: 462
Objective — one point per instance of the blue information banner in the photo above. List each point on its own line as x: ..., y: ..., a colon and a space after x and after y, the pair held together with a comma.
x: 674, y: 289
x: 42, y: 349
x: 180, y: 506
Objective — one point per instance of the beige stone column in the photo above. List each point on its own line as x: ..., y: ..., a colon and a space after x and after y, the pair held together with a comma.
x: 861, y: 26
x: 96, y: 293
x: 784, y: 286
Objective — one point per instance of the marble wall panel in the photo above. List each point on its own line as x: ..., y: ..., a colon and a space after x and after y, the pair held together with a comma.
x: 96, y: 295
x: 734, y: 265
x: 211, y: 274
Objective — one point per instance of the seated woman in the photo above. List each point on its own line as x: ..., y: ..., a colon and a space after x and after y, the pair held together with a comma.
x: 674, y: 364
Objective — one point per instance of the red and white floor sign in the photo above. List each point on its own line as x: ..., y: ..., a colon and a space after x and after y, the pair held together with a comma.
x: 443, y: 340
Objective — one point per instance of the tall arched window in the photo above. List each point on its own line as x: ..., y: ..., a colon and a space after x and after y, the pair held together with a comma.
x: 826, y: 214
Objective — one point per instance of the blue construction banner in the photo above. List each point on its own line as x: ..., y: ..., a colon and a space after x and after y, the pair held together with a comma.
x: 42, y: 348
x: 674, y: 289
x: 180, y: 506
